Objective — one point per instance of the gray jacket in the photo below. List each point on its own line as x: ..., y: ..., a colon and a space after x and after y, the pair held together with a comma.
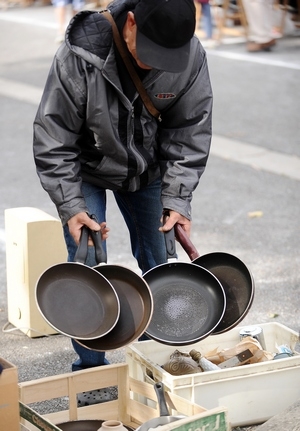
x: 87, y: 129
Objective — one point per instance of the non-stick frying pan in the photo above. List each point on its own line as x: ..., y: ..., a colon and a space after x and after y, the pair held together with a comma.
x: 76, y: 300
x: 189, y: 301
x: 136, y: 303
x: 165, y: 417
x: 84, y: 425
x: 234, y: 276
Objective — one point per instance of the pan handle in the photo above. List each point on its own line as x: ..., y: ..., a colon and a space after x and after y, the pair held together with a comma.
x: 82, y: 249
x: 100, y: 254
x: 169, y: 237
x: 185, y: 242
x: 163, y: 408
x: 170, y: 244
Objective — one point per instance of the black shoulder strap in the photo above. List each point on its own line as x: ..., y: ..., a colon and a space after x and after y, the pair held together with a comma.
x: 134, y: 76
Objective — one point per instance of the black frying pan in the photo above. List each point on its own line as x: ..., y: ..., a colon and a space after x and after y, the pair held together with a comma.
x: 136, y: 303
x: 75, y: 299
x: 234, y: 276
x: 84, y: 425
x: 189, y: 301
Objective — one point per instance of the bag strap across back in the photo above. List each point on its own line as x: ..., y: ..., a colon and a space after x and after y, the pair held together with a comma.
x: 132, y: 72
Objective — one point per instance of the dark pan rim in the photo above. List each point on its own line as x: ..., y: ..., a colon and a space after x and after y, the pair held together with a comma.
x: 82, y: 273
x: 104, y: 343
x: 85, y: 425
x: 158, y: 272
x: 223, y: 259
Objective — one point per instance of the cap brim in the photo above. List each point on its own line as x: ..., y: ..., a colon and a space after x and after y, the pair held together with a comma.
x: 167, y: 59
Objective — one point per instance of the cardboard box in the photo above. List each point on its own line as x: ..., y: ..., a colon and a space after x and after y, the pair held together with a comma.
x: 34, y: 242
x: 132, y: 406
x: 9, y: 397
x: 250, y: 392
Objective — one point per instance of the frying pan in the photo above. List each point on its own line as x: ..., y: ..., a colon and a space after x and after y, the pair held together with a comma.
x: 189, y: 301
x: 84, y: 425
x: 233, y: 274
x: 75, y: 299
x: 165, y: 417
x: 136, y: 303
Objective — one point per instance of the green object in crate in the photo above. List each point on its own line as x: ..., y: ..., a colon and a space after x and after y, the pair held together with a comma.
x: 212, y: 422
x: 35, y: 419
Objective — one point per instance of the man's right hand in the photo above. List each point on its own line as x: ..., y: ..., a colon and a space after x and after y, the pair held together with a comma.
x: 76, y: 222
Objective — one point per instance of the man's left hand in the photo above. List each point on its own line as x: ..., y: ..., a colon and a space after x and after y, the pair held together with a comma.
x: 174, y: 217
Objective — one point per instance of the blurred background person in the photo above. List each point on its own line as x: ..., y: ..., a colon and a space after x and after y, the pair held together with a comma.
x: 286, y: 19
x: 259, y: 14
x: 64, y: 11
x: 204, y: 15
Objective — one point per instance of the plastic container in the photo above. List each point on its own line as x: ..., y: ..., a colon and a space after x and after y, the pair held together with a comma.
x: 251, y: 393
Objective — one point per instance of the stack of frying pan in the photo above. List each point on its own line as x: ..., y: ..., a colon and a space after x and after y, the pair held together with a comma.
x: 103, y: 308
x: 177, y: 303
x: 210, y: 295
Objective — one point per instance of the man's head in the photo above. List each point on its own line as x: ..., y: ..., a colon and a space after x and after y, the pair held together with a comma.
x: 162, y: 30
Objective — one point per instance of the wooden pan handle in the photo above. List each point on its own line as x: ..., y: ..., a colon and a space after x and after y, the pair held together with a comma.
x: 185, y: 242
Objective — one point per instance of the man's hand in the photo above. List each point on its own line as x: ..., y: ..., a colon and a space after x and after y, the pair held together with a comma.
x: 82, y: 219
x: 172, y: 218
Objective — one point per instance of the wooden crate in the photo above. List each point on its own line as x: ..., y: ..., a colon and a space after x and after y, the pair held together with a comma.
x: 136, y: 401
x: 8, y: 396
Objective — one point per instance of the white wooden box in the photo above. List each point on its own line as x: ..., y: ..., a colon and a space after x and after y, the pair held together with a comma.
x: 34, y: 242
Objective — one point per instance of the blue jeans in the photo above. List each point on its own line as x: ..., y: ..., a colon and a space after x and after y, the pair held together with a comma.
x: 141, y: 211
x: 207, y: 20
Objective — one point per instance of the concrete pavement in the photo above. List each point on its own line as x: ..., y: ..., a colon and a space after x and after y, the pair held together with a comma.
x: 247, y: 202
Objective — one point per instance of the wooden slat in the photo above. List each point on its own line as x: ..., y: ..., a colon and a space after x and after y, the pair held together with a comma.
x: 136, y: 403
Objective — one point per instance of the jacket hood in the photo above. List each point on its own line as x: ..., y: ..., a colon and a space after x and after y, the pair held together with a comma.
x: 90, y: 31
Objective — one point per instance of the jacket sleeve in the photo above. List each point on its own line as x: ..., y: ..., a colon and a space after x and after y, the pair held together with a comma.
x: 56, y: 135
x: 185, y: 137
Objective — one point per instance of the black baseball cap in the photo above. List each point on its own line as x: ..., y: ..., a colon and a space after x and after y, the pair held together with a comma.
x: 164, y: 32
